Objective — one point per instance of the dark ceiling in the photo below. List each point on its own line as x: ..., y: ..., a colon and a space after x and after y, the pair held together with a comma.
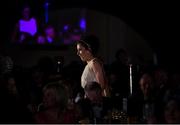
x: 157, y: 22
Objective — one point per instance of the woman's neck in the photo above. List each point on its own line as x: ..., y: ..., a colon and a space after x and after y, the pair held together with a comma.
x: 90, y: 59
x: 26, y: 18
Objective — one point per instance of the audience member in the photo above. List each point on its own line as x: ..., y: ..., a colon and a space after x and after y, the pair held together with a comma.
x: 119, y: 74
x: 55, y: 105
x: 101, y: 106
x: 51, y: 35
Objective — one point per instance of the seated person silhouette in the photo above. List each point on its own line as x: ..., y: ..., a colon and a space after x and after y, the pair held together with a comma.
x: 51, y: 36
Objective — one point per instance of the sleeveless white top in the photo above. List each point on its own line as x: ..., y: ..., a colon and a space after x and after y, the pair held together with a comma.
x: 88, y: 74
x: 28, y: 26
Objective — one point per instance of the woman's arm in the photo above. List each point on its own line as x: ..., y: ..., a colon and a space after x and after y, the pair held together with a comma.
x: 98, y: 70
x: 100, y: 76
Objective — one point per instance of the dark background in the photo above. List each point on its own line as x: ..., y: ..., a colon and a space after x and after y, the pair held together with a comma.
x: 157, y: 22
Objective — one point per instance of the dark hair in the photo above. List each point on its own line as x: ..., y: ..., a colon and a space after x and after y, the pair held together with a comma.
x: 24, y: 6
x: 90, y: 42
x: 119, y: 52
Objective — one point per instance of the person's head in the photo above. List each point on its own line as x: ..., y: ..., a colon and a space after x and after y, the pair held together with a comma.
x: 172, y: 111
x: 50, y: 31
x: 26, y: 11
x: 40, y: 39
x: 93, y: 91
x: 88, y: 46
x: 146, y: 83
x: 161, y: 77
x: 12, y: 88
x: 37, y: 76
x: 75, y: 33
x: 122, y: 55
x: 55, y: 95
x: 9, y: 84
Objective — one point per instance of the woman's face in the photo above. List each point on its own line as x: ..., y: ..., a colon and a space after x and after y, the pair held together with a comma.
x: 82, y: 52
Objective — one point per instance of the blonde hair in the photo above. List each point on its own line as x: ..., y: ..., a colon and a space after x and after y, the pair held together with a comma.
x: 60, y: 91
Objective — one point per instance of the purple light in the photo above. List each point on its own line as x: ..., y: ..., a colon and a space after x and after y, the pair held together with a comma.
x: 46, y: 6
x: 83, y: 24
x: 41, y: 40
x: 28, y: 26
x: 66, y: 27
